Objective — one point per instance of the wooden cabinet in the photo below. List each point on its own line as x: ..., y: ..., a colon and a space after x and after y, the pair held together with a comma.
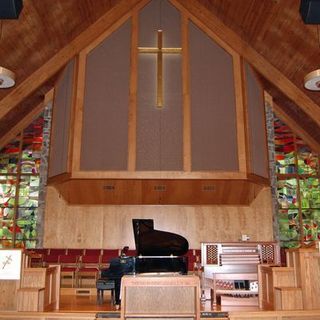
x: 277, y: 288
x: 306, y: 265
x: 294, y: 287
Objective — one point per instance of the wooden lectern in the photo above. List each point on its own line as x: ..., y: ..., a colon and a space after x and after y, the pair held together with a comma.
x: 160, y: 296
x: 27, y: 289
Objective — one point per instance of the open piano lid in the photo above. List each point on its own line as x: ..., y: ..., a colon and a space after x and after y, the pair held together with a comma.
x: 151, y: 242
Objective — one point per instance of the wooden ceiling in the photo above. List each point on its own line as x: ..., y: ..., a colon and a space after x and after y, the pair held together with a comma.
x: 269, y: 34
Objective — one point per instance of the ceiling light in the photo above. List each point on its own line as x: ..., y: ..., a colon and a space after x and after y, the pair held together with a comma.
x: 7, y: 78
x: 312, y: 80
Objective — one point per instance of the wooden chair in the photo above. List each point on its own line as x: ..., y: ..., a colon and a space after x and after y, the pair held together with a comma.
x: 36, y: 256
x: 89, y: 268
x: 69, y: 266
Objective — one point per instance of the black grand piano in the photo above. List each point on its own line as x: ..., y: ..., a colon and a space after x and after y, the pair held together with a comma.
x: 157, y: 252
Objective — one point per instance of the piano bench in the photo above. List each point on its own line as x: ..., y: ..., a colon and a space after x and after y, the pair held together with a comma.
x: 105, y: 284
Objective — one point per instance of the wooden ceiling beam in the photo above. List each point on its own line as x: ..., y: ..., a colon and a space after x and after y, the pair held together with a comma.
x: 296, y: 128
x: 120, y: 12
x: 22, y: 124
x: 207, y: 19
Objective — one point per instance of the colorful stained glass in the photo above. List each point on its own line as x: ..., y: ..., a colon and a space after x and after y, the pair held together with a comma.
x: 29, y: 191
x: 284, y: 148
x: 31, y: 147
x: 309, y: 193
x: 7, y: 191
x: 289, y: 227
x: 27, y: 223
x: 9, y: 156
x: 19, y: 173
x: 292, y: 152
x: 6, y: 243
x: 287, y: 194
x: 6, y: 213
x: 6, y: 230
x: 30, y: 244
x: 307, y: 160
x: 311, y: 224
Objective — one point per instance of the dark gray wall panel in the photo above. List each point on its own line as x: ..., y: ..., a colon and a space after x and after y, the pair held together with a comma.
x: 61, y: 123
x: 257, y: 125
x: 213, y: 125
x: 106, y: 102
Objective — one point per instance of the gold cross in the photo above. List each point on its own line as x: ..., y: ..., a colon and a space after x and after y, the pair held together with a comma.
x: 159, y: 51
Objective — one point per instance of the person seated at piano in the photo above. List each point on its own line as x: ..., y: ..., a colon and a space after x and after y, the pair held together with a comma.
x: 119, y: 267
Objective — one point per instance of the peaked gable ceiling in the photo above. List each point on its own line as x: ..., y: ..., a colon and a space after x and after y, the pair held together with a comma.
x: 269, y: 34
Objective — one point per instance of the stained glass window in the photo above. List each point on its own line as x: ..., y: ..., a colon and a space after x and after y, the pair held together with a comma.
x: 298, y: 187
x: 284, y: 147
x: 19, y: 187
x: 9, y: 156
x: 287, y: 194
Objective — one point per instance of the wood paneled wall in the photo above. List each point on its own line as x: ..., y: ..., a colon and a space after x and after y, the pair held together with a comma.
x: 110, y: 226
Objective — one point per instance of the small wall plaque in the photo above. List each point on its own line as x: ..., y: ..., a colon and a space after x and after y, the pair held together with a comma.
x: 10, y: 264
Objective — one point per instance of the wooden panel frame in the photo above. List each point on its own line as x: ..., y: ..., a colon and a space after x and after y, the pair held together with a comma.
x: 242, y: 144
x: 186, y: 95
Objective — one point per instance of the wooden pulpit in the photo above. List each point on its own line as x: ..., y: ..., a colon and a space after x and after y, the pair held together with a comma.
x: 160, y: 296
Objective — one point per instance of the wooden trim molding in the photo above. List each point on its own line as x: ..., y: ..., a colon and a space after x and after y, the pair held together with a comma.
x: 157, y: 175
x: 258, y: 179
x: 77, y: 113
x: 132, y: 117
x: 187, y: 158
x: 59, y: 178
x: 240, y: 111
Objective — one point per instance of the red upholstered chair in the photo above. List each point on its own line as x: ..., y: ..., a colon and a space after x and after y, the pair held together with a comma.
x: 39, y: 250
x: 92, y: 252
x: 131, y: 253
x: 192, y: 259
x: 57, y: 252
x: 50, y: 259
x: 89, y: 268
x: 69, y: 266
x: 75, y: 252
x: 107, y: 256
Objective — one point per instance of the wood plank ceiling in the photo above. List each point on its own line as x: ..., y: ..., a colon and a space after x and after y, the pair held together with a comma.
x: 48, y: 33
